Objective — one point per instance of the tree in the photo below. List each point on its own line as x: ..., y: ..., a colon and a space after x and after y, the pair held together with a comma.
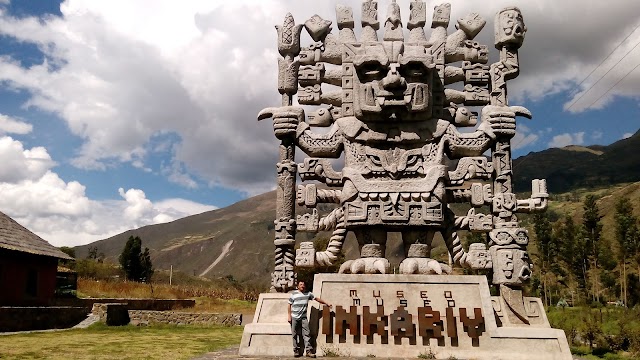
x: 147, y: 266
x: 94, y: 255
x: 592, y: 232
x: 570, y: 254
x: 547, y: 248
x: 137, y: 265
x: 474, y: 237
x: 68, y: 250
x: 627, y: 237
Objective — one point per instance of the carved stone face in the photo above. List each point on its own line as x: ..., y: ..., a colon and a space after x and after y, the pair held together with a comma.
x: 509, y: 28
x: 393, y: 164
x: 511, y: 266
x: 391, y: 82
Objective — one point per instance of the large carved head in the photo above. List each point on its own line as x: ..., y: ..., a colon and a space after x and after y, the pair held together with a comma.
x: 403, y: 76
x: 391, y: 82
x: 392, y: 79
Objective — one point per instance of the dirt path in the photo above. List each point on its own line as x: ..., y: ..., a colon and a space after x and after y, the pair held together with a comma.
x: 232, y: 353
x: 225, y: 251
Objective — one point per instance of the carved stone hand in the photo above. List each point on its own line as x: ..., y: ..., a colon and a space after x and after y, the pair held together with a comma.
x: 500, y: 121
x: 285, y: 120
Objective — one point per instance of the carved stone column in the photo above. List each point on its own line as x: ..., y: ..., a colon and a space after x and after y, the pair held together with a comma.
x: 283, y: 277
x: 511, y: 264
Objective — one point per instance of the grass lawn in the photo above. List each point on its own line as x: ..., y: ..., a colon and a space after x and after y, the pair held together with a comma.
x: 125, y: 342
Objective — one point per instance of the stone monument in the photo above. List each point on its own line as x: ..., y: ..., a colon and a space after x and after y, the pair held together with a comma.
x: 394, y: 108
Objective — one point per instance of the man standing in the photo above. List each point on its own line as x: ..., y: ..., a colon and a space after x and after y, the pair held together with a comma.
x: 298, y: 302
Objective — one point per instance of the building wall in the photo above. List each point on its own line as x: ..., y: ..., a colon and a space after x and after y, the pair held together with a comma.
x: 26, y: 279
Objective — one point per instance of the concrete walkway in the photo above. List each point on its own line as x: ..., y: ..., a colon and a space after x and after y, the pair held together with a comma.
x: 90, y: 320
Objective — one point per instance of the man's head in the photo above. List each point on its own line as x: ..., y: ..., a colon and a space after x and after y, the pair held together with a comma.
x: 302, y: 286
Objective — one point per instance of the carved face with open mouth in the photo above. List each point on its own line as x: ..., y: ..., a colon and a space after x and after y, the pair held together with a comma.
x: 509, y: 27
x: 388, y: 84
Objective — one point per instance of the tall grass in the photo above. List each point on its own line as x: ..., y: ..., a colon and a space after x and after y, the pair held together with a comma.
x: 131, y: 289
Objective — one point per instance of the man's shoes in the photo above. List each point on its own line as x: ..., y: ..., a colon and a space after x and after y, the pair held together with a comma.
x: 297, y: 353
x: 310, y: 354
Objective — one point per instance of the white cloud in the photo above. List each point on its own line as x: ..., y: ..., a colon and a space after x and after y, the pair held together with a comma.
x: 597, y: 135
x: 567, y: 139
x: 177, y: 175
x: 201, y: 70
x: 19, y: 164
x: 138, y: 206
x: 627, y: 135
x: 44, y: 197
x: 61, y: 213
x: 176, y: 208
x: 615, y: 77
x: 524, y: 137
x: 9, y: 125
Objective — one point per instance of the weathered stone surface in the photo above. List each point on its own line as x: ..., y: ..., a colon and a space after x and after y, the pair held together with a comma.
x: 270, y: 332
x: 402, y: 315
x: 113, y: 314
x: 394, y: 121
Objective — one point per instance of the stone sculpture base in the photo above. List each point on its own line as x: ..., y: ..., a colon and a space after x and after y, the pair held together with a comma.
x: 404, y: 316
x: 270, y: 333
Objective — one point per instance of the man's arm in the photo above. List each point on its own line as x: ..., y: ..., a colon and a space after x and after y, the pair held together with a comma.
x: 289, y: 313
x: 321, y: 301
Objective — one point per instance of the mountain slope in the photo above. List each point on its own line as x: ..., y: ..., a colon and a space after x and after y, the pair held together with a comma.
x: 575, y: 167
x: 238, y: 240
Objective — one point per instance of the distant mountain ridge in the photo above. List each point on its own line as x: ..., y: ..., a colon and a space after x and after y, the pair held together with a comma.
x: 238, y: 240
x: 575, y: 167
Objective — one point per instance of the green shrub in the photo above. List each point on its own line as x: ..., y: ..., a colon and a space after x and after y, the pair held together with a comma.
x: 634, y: 341
x: 580, y: 350
x: 427, y: 355
x: 613, y: 356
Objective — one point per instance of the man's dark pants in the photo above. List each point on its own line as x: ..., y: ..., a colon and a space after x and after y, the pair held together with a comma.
x: 300, y: 332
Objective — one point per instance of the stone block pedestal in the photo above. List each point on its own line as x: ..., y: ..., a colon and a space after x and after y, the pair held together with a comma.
x: 270, y: 333
x: 404, y: 316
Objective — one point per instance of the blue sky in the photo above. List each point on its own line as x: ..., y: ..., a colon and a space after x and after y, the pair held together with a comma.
x: 119, y: 114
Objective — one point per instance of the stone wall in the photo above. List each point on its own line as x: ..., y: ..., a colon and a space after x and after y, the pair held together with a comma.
x: 132, y: 304
x: 40, y: 318
x: 113, y: 314
x: 144, y: 317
